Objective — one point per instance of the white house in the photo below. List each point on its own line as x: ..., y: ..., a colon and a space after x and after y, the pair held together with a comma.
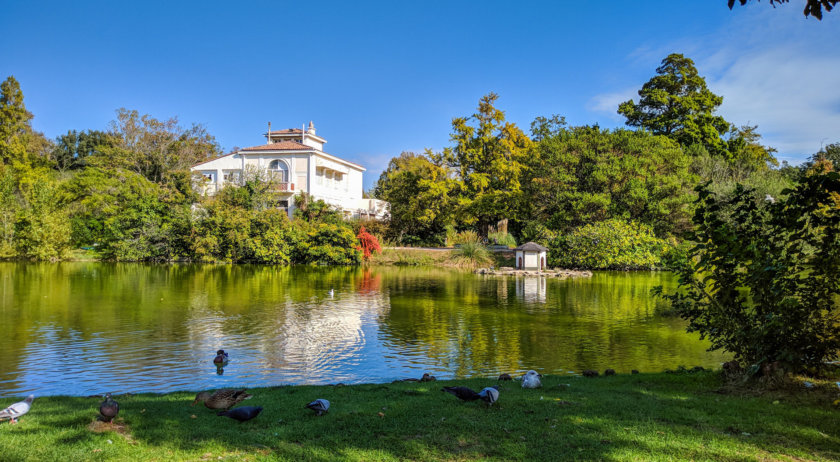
x: 530, y: 256
x: 296, y: 160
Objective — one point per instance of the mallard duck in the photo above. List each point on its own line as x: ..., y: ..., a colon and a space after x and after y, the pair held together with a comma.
x: 320, y: 406
x: 462, y: 393
x: 242, y: 413
x: 505, y: 377
x: 222, y: 399
x: 490, y: 395
x: 13, y: 412
x: 531, y: 379
x: 221, y: 358
x: 428, y: 377
x: 109, y: 408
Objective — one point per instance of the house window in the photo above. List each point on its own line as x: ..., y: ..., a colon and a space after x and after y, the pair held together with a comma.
x: 211, y: 176
x: 280, y: 170
x: 232, y: 176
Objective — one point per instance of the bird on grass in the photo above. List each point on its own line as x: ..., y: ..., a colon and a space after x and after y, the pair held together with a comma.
x: 320, y: 406
x: 531, y: 379
x: 222, y: 399
x: 13, y: 412
x: 462, y: 393
x: 243, y: 413
x: 490, y: 394
x: 221, y: 358
x: 108, y: 409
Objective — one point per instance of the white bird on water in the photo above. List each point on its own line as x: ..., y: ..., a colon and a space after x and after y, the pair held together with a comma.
x: 332, y: 293
x: 16, y: 410
x: 531, y: 379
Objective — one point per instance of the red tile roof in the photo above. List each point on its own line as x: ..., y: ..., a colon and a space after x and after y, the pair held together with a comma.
x: 280, y: 146
x: 286, y: 131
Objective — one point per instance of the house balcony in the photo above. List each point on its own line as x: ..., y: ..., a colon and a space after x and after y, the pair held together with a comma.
x: 283, y: 187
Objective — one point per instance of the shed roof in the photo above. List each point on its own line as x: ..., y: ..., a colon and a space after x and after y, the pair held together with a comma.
x: 532, y: 247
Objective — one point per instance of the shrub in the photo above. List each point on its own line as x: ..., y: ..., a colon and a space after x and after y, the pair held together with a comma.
x: 272, y: 238
x: 612, y: 244
x: 761, y: 280
x: 466, y: 237
x: 472, y: 254
x: 502, y: 238
x: 329, y: 244
x: 368, y: 243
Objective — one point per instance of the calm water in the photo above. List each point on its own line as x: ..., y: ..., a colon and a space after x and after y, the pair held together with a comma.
x: 86, y: 328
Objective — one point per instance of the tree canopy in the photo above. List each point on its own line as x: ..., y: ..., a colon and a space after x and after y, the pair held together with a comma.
x: 677, y: 103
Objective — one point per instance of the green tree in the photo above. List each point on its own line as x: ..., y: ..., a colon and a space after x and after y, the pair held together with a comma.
x: 14, y: 122
x: 585, y: 174
x: 745, y: 148
x: 487, y: 159
x: 676, y: 103
x: 761, y: 281
x: 612, y: 244
x: 9, y: 207
x: 420, y: 194
x: 315, y: 210
x: 42, y: 226
x: 812, y: 7
x: 72, y: 149
x: 156, y: 148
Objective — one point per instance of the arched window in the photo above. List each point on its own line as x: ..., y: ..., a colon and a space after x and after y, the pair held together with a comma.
x: 280, y: 169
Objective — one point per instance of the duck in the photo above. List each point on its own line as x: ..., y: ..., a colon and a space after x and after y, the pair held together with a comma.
x: 320, y: 406
x: 221, y: 358
x: 222, y: 399
x: 462, y: 393
x: 531, y: 379
x: 108, y: 409
x: 490, y: 394
x: 428, y: 377
x: 505, y: 377
x: 243, y: 413
x: 15, y: 411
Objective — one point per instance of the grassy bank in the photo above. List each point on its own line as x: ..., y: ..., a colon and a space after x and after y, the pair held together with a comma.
x: 426, y: 257
x: 625, y: 417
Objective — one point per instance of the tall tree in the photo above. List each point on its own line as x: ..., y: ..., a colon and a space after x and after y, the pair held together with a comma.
x: 678, y: 104
x: 73, y: 148
x: 812, y: 7
x: 421, y: 197
x: 157, y: 149
x: 487, y: 159
x: 14, y: 122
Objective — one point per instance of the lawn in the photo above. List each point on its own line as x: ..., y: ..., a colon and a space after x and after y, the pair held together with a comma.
x: 624, y: 417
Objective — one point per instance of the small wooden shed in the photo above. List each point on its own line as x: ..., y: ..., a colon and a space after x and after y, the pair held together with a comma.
x: 531, y: 256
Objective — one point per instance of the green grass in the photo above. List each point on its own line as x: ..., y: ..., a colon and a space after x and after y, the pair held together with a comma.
x: 625, y: 417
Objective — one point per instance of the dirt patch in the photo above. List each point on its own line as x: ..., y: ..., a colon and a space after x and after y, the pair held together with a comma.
x: 116, y: 426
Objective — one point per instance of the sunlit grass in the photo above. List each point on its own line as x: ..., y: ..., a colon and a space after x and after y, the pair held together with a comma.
x: 624, y: 417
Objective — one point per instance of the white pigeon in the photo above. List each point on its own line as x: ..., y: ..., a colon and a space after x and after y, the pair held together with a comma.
x: 531, y: 380
x: 16, y: 410
x: 320, y: 406
x: 490, y: 395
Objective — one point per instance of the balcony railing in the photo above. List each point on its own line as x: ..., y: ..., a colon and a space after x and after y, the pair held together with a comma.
x: 284, y: 187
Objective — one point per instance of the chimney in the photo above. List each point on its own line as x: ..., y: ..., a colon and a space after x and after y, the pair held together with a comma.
x: 268, y: 135
x: 311, y: 130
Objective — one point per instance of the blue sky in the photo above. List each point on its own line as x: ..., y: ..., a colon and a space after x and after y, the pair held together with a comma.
x: 378, y: 78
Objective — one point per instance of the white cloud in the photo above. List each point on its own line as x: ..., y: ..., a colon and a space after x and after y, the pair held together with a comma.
x: 607, y: 103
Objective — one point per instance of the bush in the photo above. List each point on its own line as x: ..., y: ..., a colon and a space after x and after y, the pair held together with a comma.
x: 612, y: 244
x: 472, y: 254
x: 271, y: 239
x: 368, y: 243
x: 329, y: 244
x: 761, y: 280
x: 501, y: 238
x: 41, y: 229
x: 466, y: 237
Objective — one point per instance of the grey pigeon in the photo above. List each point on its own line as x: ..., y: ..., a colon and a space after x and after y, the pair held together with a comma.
x: 490, y: 395
x: 109, y: 408
x: 462, y: 393
x: 320, y: 406
x: 243, y: 413
x: 16, y: 410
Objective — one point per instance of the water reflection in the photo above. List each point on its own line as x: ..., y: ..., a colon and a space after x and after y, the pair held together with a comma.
x: 85, y: 328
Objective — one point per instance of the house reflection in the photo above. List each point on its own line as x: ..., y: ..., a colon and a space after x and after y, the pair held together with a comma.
x: 531, y: 289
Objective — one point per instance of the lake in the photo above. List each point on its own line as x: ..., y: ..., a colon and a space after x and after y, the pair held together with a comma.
x: 87, y: 328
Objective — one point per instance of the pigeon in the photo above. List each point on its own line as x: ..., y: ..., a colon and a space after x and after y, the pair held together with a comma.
x: 108, y: 409
x: 490, y: 395
x: 531, y: 380
x: 243, y: 413
x: 462, y: 393
x: 221, y: 358
x: 16, y: 410
x: 320, y: 406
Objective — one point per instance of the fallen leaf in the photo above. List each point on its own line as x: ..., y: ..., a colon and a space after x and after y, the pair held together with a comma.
x: 380, y: 414
x: 193, y: 416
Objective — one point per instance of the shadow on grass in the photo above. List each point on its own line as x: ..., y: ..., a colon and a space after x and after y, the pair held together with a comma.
x: 614, y: 418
